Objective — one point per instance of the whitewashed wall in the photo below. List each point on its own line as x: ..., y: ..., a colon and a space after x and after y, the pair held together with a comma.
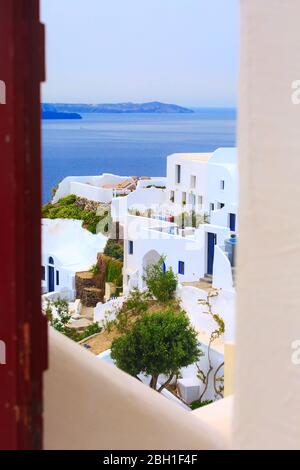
x: 267, y: 386
x: 222, y: 271
x: 108, y: 310
x: 175, y: 248
x: 64, y: 187
x: 140, y: 199
x: 93, y: 193
x: 223, y: 305
x: 188, y: 168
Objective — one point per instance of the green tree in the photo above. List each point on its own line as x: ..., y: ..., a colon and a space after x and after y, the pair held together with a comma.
x: 161, y: 283
x: 156, y: 344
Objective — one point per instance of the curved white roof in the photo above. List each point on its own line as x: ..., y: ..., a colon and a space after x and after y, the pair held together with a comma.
x: 75, y: 247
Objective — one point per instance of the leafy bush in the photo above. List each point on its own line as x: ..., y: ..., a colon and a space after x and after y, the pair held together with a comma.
x: 114, y: 249
x: 114, y: 272
x: 60, y: 323
x: 70, y: 199
x: 137, y: 302
x: 198, y: 404
x: 95, y: 269
x: 90, y: 330
x: 66, y: 208
x: 156, y: 344
x: 161, y: 283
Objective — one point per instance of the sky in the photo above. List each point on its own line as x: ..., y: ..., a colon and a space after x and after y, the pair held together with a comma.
x: 174, y: 51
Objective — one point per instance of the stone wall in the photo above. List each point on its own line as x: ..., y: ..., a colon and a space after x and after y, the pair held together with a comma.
x: 91, y: 296
x: 83, y: 280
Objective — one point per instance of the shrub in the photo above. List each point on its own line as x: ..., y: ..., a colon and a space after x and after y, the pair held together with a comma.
x: 68, y: 208
x: 66, y: 201
x: 161, y: 283
x: 198, y: 404
x: 114, y: 272
x: 90, y: 330
x: 137, y: 302
x: 95, y: 269
x: 156, y: 344
x: 114, y: 249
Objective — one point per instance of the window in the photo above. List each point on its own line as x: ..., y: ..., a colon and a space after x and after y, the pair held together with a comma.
x: 57, y: 278
x: 50, y: 260
x: 178, y: 174
x: 200, y: 201
x: 193, y: 199
x: 193, y: 181
x: 130, y: 247
x: 180, y: 267
x: 211, y: 207
x: 43, y: 273
x: 232, y: 222
x: 220, y: 205
x: 164, y: 267
x: 222, y: 184
x: 172, y: 196
x: 184, y: 198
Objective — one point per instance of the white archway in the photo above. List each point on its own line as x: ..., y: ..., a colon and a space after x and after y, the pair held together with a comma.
x: 151, y: 257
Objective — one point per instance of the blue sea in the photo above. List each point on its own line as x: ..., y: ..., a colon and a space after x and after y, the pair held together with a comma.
x: 129, y: 144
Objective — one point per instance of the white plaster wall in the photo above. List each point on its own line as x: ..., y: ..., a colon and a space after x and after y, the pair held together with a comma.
x: 72, y: 248
x: 224, y: 305
x: 141, y: 199
x: 64, y: 187
x: 222, y: 271
x: 159, y: 181
x: 267, y: 385
x: 112, y: 401
x: 188, y: 168
x: 216, y: 174
x: 175, y: 248
x: 108, y: 310
x: 94, y: 193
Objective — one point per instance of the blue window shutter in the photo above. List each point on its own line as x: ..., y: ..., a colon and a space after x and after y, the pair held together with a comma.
x: 180, y: 267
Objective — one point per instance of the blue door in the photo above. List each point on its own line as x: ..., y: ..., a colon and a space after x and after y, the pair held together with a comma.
x: 50, y: 278
x: 211, y: 241
x: 232, y: 222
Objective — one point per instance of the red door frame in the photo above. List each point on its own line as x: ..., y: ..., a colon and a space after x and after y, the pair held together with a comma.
x: 22, y: 327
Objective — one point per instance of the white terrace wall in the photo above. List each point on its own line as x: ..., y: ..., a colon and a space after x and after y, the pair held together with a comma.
x: 108, y: 310
x: 223, y: 305
x: 64, y: 187
x: 222, y: 272
x: 93, y: 193
x: 140, y: 199
x: 159, y: 181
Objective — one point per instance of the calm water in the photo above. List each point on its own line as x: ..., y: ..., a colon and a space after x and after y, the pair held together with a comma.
x: 129, y: 144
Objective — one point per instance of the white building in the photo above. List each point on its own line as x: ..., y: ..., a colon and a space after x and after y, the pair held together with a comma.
x: 204, y: 183
x: 101, y: 188
x: 67, y: 248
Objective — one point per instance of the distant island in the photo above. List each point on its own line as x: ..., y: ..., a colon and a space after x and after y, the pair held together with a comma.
x: 59, y: 115
x: 119, y: 108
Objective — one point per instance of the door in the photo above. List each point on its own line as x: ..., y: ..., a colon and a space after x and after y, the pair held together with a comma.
x: 211, y: 241
x: 50, y: 278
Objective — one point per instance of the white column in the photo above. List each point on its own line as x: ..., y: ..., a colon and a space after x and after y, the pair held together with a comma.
x: 267, y: 388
